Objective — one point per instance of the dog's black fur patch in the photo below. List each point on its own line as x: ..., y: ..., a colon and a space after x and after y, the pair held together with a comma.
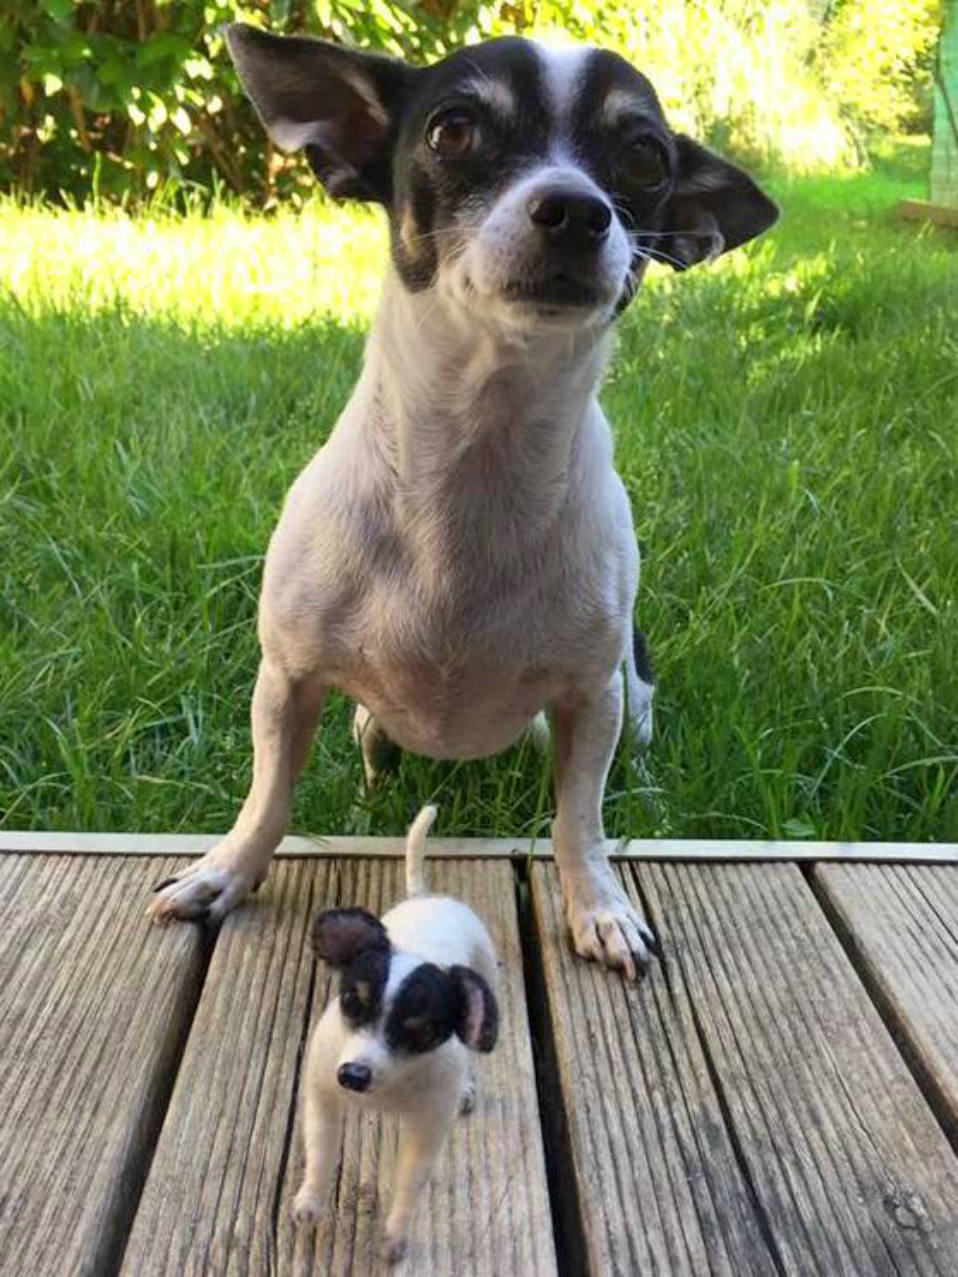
x: 431, y: 1005
x: 643, y: 658
x: 338, y: 935
x: 430, y: 191
x: 424, y: 1012
x: 605, y: 149
x: 363, y: 985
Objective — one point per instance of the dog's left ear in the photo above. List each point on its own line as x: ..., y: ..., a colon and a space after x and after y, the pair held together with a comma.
x: 478, y: 1019
x: 714, y: 206
x: 339, y: 935
x: 337, y: 103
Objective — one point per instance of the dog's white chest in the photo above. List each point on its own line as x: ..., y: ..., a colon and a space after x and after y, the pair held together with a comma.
x: 445, y: 688
x: 455, y: 607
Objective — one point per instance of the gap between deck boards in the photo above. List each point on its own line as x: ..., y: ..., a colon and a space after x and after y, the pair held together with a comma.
x: 567, y: 1213
x: 916, y: 1065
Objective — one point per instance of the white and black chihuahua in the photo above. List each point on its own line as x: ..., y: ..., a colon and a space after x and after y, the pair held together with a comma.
x: 417, y: 994
x: 460, y: 554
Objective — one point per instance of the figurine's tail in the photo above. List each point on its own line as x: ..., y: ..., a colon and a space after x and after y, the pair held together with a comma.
x: 416, y: 851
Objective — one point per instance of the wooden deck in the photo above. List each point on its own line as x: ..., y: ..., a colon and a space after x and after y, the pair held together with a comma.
x: 780, y: 1097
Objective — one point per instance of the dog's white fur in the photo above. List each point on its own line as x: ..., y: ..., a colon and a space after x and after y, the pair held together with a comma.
x: 425, y: 1091
x: 458, y: 556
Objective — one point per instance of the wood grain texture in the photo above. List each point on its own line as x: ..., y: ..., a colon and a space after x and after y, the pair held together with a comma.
x: 95, y: 1005
x: 191, y: 846
x: 901, y: 925
x: 659, y: 1189
x: 853, y: 1174
x: 228, y: 1161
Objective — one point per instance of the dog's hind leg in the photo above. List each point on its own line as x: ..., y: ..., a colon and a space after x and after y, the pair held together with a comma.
x: 380, y: 755
x: 284, y: 717
x: 605, y: 924
x: 639, y: 687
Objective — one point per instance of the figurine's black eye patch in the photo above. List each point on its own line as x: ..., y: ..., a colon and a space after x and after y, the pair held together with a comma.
x: 424, y: 1011
x: 363, y: 986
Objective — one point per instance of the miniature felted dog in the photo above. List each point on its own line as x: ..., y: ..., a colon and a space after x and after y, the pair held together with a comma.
x: 460, y: 554
x: 416, y: 997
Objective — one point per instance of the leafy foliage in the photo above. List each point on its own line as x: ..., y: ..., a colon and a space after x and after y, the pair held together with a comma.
x: 118, y: 98
x: 875, y: 58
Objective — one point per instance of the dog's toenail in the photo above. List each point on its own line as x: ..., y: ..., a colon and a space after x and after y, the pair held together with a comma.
x: 167, y: 882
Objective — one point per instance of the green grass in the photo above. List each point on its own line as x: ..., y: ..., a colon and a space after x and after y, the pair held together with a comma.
x: 786, y: 426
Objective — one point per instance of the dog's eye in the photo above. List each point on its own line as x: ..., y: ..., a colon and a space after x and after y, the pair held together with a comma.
x: 646, y: 163
x: 453, y: 133
x: 352, y: 1007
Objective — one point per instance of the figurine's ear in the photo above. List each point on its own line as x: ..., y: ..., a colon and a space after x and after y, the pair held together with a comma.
x: 340, y: 105
x: 340, y: 934
x: 714, y: 206
x: 478, y: 1020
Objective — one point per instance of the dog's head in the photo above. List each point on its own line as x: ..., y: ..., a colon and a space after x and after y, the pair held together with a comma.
x: 528, y: 185
x: 396, y: 1009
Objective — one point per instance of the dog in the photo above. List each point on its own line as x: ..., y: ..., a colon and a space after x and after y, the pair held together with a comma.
x: 417, y: 995
x: 460, y: 554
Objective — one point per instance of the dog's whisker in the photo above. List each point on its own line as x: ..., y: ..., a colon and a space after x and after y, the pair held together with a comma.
x: 689, y: 234
x: 650, y: 254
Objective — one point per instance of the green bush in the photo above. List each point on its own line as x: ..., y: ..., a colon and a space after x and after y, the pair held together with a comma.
x: 120, y: 98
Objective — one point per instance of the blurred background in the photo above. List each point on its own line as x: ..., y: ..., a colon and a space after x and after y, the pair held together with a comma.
x: 120, y: 98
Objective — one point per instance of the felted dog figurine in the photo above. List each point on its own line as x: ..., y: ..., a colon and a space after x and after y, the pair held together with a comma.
x: 460, y: 554
x: 416, y: 996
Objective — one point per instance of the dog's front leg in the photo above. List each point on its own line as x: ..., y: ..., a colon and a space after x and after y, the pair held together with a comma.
x: 322, y: 1140
x: 284, y: 716
x: 420, y: 1143
x: 605, y: 925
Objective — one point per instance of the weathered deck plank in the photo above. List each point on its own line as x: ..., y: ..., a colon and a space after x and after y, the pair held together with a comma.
x: 94, y: 1008
x: 901, y: 924
x: 659, y: 1189
x: 853, y: 1174
x: 759, y: 1015
x: 217, y: 1199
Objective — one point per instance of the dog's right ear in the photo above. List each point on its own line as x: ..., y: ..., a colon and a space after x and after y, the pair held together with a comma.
x: 339, y: 935
x: 339, y: 104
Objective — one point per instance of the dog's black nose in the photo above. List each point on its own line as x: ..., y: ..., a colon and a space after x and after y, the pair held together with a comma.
x: 354, y: 1077
x: 571, y: 218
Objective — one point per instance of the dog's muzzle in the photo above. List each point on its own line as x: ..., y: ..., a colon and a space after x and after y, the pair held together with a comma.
x: 569, y: 229
x: 570, y: 220
x: 354, y: 1077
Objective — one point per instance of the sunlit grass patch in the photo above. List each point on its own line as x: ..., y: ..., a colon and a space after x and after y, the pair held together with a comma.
x: 787, y: 426
x: 230, y: 269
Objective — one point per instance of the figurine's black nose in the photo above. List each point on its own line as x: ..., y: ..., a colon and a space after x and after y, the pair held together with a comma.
x: 354, y: 1077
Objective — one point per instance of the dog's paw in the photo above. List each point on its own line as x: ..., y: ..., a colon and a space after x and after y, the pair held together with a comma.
x: 395, y: 1247
x: 207, y: 888
x: 307, y: 1208
x: 606, y: 927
